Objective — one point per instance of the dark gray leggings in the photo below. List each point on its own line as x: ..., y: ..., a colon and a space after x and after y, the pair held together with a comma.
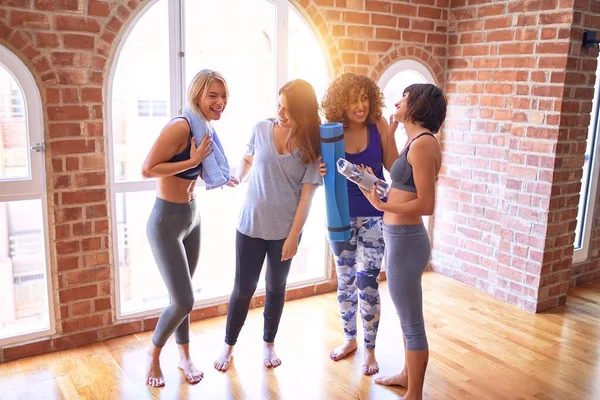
x: 407, y: 252
x: 173, y: 231
x: 250, y: 257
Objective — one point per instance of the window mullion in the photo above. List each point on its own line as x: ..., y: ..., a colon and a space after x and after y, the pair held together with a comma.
x: 176, y: 57
x: 281, y: 53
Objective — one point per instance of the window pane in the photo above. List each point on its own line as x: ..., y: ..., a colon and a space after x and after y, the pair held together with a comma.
x: 159, y: 108
x: 141, y: 285
x: 14, y: 154
x: 585, y: 201
x: 23, y: 285
x: 16, y: 103
x: 143, y: 108
x: 305, y: 55
x: 142, y: 74
x: 236, y: 38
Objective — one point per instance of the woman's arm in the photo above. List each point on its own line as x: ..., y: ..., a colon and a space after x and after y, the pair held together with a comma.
x: 290, y: 246
x: 244, y: 167
x: 423, y: 161
x: 171, y: 138
x: 388, y: 141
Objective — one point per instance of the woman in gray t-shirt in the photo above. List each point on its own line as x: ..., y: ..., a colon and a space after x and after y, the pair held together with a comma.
x: 282, y: 161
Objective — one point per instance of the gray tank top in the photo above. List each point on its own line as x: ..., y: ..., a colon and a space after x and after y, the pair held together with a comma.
x: 401, y: 171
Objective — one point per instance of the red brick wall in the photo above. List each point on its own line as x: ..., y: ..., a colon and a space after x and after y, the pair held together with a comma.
x: 519, y: 87
x: 69, y: 44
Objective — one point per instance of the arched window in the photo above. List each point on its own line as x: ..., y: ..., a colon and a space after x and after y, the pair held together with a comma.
x: 24, y: 301
x: 393, y: 81
x: 257, y: 45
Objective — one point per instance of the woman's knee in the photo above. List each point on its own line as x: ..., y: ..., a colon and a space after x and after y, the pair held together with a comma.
x: 366, y: 280
x: 184, y: 304
x: 276, y: 289
x: 244, y: 292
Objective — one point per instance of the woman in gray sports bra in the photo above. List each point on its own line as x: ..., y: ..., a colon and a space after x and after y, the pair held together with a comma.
x: 422, y: 110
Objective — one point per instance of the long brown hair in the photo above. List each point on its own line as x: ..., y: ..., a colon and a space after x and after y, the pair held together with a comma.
x: 303, y: 107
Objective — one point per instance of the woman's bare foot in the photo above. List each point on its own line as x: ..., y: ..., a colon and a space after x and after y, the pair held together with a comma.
x: 370, y: 366
x: 154, y: 375
x: 222, y: 362
x: 343, y: 351
x: 400, y: 379
x: 192, y: 374
x: 271, y: 358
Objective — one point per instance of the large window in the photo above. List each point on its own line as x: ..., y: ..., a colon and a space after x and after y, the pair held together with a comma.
x: 589, y: 182
x: 257, y: 45
x: 393, y: 81
x: 24, y: 301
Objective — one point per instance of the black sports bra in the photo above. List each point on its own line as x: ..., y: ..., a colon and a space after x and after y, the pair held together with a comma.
x: 192, y: 173
x: 401, y: 171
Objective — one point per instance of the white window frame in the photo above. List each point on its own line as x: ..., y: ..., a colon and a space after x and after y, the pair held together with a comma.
x: 403, y: 65
x: 177, y: 100
x: 33, y: 187
x: 581, y: 254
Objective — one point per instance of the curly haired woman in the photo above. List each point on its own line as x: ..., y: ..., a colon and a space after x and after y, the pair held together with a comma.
x: 357, y: 102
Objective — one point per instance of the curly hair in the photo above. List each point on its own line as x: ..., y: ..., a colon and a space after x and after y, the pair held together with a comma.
x: 344, y: 90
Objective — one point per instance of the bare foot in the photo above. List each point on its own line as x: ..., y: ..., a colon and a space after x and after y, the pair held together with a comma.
x: 222, y: 362
x: 370, y: 366
x: 192, y: 374
x: 394, y: 380
x: 154, y: 375
x: 270, y: 357
x: 343, y: 351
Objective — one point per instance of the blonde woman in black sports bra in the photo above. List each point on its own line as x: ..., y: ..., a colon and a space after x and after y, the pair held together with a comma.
x: 422, y: 110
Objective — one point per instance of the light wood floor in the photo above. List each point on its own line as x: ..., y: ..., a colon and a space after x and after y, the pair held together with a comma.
x: 480, y: 349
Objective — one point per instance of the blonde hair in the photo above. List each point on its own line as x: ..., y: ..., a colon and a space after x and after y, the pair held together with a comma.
x: 200, y: 85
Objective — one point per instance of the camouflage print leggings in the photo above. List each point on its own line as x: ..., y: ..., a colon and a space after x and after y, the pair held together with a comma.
x: 358, y: 264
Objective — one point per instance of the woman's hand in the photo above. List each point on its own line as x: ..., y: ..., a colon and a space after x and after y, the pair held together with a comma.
x: 198, y: 154
x: 322, y: 167
x: 372, y: 194
x: 392, y: 127
x: 290, y: 247
x: 233, y: 182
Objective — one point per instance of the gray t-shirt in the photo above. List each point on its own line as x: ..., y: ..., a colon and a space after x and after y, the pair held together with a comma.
x: 274, y: 186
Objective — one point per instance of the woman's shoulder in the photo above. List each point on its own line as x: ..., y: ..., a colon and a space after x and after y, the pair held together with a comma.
x: 264, y: 126
x: 177, y: 128
x: 381, y: 126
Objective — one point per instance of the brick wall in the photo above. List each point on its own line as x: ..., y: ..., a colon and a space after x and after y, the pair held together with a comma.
x: 69, y: 45
x: 520, y: 89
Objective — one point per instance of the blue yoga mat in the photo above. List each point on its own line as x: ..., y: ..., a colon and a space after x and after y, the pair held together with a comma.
x: 336, y: 185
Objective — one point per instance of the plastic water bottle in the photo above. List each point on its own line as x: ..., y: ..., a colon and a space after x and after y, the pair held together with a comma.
x: 362, y: 178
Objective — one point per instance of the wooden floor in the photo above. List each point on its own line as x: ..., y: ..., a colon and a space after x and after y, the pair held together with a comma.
x: 480, y: 349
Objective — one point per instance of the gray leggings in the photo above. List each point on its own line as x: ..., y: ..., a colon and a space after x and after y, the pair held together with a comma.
x: 407, y: 251
x: 173, y: 231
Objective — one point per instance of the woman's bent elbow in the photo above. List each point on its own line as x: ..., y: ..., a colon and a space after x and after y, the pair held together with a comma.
x: 428, y: 210
x: 146, y: 172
